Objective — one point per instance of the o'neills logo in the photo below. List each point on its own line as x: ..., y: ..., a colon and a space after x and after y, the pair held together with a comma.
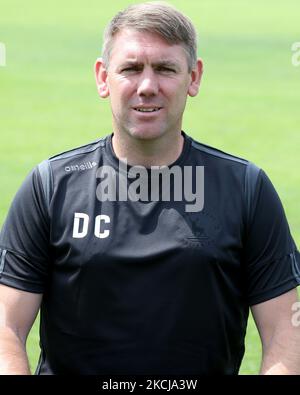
x: 159, y: 183
x: 81, y: 167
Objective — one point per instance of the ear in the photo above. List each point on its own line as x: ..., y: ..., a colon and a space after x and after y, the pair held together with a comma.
x: 196, y: 75
x: 101, y: 78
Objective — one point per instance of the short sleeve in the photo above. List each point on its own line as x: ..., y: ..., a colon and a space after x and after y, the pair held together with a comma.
x: 270, y: 254
x: 24, y: 238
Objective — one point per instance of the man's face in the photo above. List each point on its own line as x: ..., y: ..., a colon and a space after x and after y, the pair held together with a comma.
x: 148, y: 83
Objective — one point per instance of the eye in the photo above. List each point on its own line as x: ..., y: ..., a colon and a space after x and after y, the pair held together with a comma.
x: 166, y: 69
x: 130, y: 69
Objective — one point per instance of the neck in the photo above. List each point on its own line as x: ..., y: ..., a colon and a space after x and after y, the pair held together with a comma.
x: 161, y: 151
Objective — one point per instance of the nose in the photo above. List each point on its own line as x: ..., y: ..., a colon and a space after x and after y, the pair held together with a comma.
x: 147, y: 84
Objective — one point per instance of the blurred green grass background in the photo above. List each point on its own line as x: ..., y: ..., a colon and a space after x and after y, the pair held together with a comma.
x: 248, y: 104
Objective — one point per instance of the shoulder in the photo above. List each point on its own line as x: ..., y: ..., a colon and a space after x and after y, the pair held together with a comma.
x: 74, y: 161
x: 216, y: 154
x: 230, y: 171
x: 211, y: 156
x: 82, y: 150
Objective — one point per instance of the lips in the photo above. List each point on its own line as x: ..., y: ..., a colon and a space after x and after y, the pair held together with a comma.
x: 147, y: 109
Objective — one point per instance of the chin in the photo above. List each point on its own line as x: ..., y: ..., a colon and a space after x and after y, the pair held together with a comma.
x: 146, y: 134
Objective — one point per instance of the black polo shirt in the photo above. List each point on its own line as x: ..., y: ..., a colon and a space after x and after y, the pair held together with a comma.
x: 146, y: 286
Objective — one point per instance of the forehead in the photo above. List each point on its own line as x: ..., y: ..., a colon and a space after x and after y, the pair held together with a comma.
x: 129, y: 44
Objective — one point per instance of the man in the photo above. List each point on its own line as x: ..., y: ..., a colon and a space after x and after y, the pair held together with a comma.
x: 134, y: 271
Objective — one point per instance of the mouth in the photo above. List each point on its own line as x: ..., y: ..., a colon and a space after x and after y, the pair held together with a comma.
x: 147, y: 110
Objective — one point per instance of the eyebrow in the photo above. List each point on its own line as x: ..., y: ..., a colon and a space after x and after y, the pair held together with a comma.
x: 161, y: 63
